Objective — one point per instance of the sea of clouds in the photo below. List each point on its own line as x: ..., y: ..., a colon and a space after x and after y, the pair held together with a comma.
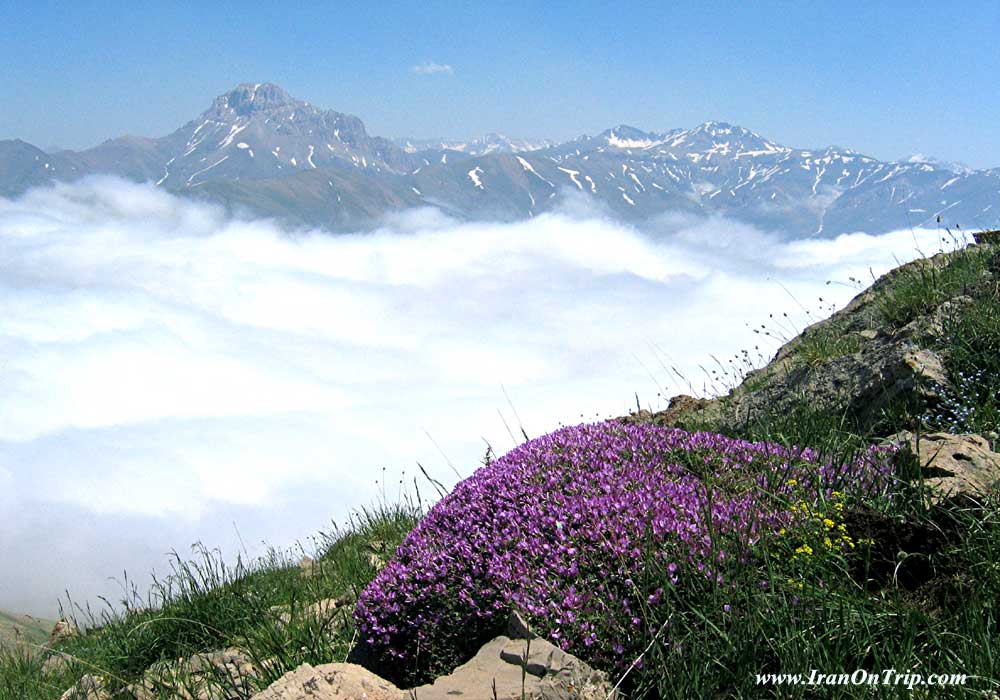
x: 171, y: 374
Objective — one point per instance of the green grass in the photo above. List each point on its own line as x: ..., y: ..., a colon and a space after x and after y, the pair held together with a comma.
x: 894, y: 604
x: 919, y: 288
x: 206, y: 605
x: 972, y: 341
x: 23, y: 628
x: 839, y: 612
x: 888, y: 604
x: 826, y: 342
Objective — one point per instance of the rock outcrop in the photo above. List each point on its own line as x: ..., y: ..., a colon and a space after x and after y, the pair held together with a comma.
x: 510, y: 667
x: 867, y: 363
x: 87, y: 688
x: 62, y: 629
x: 219, y: 675
x: 329, y: 611
x: 331, y: 682
x: 953, y: 465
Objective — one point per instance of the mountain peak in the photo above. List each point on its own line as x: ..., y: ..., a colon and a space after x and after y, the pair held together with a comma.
x: 625, y: 136
x: 920, y: 158
x: 715, y: 128
x: 247, y: 98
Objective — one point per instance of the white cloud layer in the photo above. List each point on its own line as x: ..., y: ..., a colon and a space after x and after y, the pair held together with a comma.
x: 432, y: 68
x: 168, y: 371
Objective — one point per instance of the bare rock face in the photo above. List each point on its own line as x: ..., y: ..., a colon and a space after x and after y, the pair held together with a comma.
x: 988, y: 236
x: 331, y: 682
x: 954, y: 465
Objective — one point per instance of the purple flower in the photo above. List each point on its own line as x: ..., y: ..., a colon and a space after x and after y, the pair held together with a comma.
x: 581, y: 530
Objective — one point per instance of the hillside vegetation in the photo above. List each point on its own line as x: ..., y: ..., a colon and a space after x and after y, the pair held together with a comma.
x: 23, y: 629
x: 805, y: 520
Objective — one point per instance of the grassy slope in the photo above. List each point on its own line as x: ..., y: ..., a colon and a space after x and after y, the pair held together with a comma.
x: 23, y: 627
x: 206, y: 604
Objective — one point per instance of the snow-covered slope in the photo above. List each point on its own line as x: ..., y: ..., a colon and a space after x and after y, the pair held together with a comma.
x: 258, y: 148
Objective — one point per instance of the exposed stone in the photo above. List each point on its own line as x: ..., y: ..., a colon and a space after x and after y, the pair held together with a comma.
x: 55, y: 662
x: 517, y: 627
x: 378, y: 554
x: 954, y: 465
x: 987, y: 237
x: 322, y: 611
x: 883, y: 372
x: 63, y: 629
x: 217, y: 675
x: 331, y: 682
x: 854, y: 365
x: 509, y: 669
x: 928, y: 370
x: 678, y: 409
x: 307, y: 565
x: 87, y: 688
x: 504, y: 669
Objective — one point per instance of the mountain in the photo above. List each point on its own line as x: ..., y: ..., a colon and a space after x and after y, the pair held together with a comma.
x: 23, y: 629
x: 939, y: 163
x: 259, y: 150
x: 23, y: 166
x: 484, y: 145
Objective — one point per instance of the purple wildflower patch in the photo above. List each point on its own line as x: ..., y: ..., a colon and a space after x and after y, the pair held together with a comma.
x: 566, y: 528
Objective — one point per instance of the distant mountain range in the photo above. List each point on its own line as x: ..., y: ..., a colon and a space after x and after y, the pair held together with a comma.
x: 491, y: 143
x: 256, y: 149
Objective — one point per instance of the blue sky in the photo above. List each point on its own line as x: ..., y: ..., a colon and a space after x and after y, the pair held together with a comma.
x: 889, y: 79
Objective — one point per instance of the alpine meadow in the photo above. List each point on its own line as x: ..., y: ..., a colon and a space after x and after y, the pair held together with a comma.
x: 431, y: 351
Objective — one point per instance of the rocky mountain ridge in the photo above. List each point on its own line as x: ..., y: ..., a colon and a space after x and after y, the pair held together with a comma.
x: 256, y: 148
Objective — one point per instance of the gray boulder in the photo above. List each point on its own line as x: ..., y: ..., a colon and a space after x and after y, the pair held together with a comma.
x: 953, y: 465
x: 331, y: 682
x: 511, y: 667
